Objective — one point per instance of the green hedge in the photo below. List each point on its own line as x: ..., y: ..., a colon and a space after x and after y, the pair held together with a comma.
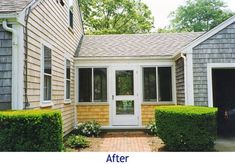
x: 31, y: 130
x: 186, y: 128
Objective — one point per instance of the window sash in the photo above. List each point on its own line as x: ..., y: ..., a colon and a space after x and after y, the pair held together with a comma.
x: 157, y: 90
x: 67, y: 79
x: 93, y: 86
x: 149, y: 87
x: 47, y: 74
x: 70, y: 13
x: 47, y: 89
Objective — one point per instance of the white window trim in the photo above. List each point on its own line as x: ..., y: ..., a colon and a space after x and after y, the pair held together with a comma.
x: 157, y: 85
x: 92, y: 85
x: 45, y: 103
x: 211, y: 66
x: 66, y: 101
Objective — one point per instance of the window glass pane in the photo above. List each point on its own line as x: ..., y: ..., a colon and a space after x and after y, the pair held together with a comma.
x: 67, y: 89
x: 47, y: 88
x: 47, y: 60
x: 100, y: 84
x: 68, y: 69
x: 85, y: 85
x: 165, y: 84
x: 71, y: 19
x: 150, y: 92
x: 124, y: 83
x: 125, y: 107
x: 71, y: 13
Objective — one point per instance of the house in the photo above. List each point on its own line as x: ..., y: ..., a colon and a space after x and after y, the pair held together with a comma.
x: 38, y: 41
x: 117, y: 80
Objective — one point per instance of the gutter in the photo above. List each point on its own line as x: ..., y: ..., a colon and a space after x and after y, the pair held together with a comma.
x: 185, y: 78
x: 9, y: 29
x: 8, y: 15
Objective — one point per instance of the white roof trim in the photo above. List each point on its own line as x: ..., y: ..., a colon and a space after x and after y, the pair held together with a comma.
x: 102, y: 58
x: 190, y: 46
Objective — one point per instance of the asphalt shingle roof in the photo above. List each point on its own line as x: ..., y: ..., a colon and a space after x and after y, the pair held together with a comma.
x: 135, y: 45
x: 10, y: 6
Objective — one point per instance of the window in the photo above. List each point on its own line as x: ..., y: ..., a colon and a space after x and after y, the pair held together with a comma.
x: 67, y: 79
x: 165, y: 84
x: 70, y: 13
x: 150, y: 89
x: 100, y: 85
x: 157, y: 90
x: 47, y: 74
x: 92, y: 85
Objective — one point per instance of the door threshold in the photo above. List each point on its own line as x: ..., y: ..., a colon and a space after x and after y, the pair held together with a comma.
x: 123, y: 127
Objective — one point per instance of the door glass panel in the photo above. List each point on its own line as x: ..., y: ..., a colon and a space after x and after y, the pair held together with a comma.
x: 124, y: 83
x: 125, y: 107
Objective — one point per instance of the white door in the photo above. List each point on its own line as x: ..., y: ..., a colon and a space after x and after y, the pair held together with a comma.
x: 125, y: 107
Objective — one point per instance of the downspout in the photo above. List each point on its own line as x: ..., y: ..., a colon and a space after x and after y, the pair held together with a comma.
x: 185, y: 78
x: 9, y: 29
x: 26, y: 58
x: 14, y: 60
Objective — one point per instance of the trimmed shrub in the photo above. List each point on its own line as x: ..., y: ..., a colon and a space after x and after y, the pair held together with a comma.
x: 79, y: 141
x: 31, y: 130
x: 187, y: 128
x: 89, y: 128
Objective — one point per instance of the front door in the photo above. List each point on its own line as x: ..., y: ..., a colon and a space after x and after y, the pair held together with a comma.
x: 124, y: 96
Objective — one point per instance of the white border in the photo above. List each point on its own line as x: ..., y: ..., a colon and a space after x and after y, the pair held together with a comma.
x: 211, y: 66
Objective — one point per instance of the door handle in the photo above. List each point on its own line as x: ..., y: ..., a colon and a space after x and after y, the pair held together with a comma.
x: 112, y: 97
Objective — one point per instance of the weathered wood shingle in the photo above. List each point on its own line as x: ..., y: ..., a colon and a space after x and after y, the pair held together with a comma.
x: 219, y: 48
x: 5, y: 69
x: 9, y: 6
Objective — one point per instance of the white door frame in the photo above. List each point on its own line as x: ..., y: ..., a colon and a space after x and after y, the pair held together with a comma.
x: 125, y: 120
x: 211, y: 66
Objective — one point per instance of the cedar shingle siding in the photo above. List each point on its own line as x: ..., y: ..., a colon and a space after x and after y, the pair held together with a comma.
x: 220, y: 48
x: 180, y: 93
x: 5, y: 69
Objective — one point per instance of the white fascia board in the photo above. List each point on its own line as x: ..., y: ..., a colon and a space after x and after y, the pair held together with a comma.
x: 125, y: 58
x: 190, y: 46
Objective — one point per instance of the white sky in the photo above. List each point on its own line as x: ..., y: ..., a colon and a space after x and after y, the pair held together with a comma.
x: 162, y: 8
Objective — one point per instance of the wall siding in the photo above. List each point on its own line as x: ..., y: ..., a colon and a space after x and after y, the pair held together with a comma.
x: 147, y: 114
x: 220, y: 48
x: 48, y: 22
x: 5, y: 68
x: 180, y: 90
x: 99, y: 113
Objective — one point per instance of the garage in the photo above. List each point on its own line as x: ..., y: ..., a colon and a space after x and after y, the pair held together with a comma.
x: 223, y: 81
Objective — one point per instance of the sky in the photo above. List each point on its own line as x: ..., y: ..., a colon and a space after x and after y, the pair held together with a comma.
x: 162, y: 8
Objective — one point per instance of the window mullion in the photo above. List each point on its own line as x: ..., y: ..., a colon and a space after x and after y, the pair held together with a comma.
x: 157, y: 85
x: 92, y: 85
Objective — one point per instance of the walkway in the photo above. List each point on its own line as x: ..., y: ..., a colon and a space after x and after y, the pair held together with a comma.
x: 125, y: 142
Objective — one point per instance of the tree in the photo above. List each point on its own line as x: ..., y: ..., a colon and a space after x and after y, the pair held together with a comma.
x: 116, y: 16
x: 199, y: 15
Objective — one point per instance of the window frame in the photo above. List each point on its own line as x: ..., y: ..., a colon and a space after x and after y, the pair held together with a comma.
x: 92, y: 84
x: 157, y: 84
x: 71, y: 27
x: 43, y: 102
x: 66, y: 100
